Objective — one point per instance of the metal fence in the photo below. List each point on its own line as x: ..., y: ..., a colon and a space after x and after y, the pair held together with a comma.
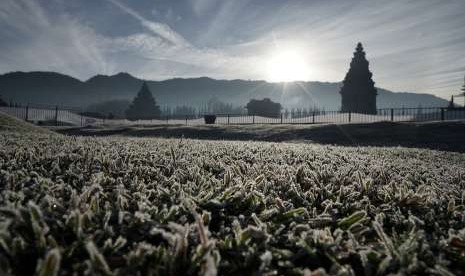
x: 71, y: 116
x: 48, y: 115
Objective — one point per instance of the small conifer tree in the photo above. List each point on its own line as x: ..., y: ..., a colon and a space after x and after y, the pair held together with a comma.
x: 144, y: 106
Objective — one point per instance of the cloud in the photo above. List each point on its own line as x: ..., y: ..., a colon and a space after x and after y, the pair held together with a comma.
x: 411, y: 45
x: 37, y: 40
x: 160, y: 29
x: 33, y: 40
x: 150, y: 53
x: 408, y: 43
x: 201, y: 7
x: 152, y: 47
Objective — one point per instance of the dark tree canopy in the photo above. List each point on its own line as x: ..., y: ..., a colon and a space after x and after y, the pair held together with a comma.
x: 144, y: 106
x: 358, y: 90
x: 265, y: 107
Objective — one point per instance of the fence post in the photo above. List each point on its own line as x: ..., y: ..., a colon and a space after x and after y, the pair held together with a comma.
x: 228, y: 119
x: 56, y: 115
x: 281, y: 118
x: 186, y: 120
x: 442, y: 114
x: 350, y: 116
x: 253, y: 119
x: 27, y: 113
x: 392, y: 114
x: 313, y: 117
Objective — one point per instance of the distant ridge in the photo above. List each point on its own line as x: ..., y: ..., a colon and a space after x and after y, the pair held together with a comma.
x: 59, y: 89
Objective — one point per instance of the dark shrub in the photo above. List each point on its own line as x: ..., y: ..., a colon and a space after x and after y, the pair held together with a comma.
x: 209, y: 119
x: 265, y: 108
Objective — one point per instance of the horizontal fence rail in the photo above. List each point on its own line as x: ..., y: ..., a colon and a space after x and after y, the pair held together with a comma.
x: 71, y: 116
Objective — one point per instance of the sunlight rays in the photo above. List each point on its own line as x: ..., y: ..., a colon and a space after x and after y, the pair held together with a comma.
x: 287, y: 65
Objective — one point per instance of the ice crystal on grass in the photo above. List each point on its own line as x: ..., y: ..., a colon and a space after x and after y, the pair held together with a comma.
x: 120, y: 206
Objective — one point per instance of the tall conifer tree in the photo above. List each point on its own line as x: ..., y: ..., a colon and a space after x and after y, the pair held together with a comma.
x: 358, y: 90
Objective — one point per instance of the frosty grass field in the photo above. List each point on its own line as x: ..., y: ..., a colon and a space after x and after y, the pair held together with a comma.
x: 133, y: 206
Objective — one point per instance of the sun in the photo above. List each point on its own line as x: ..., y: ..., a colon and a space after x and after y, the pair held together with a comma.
x: 287, y: 65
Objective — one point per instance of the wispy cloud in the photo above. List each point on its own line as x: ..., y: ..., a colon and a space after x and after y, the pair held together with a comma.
x: 411, y: 45
x: 201, y: 7
x: 38, y: 40
x: 32, y: 40
x: 151, y: 46
x: 157, y: 28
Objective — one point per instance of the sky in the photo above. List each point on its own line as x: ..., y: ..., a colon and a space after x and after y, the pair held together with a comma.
x: 412, y: 45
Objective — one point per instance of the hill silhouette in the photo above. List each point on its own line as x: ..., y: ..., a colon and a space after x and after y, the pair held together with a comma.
x: 58, y: 89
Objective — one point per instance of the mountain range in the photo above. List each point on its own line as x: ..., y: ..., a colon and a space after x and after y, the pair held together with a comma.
x: 57, y: 89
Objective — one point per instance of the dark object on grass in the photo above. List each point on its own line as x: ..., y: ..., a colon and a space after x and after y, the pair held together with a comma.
x: 209, y: 119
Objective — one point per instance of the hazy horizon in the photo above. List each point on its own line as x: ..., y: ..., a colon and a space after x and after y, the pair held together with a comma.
x: 413, y: 46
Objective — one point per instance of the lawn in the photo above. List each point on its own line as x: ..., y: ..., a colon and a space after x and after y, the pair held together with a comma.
x: 153, y: 206
x: 449, y: 136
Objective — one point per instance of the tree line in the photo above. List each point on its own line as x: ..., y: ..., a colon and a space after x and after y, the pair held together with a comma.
x: 145, y: 107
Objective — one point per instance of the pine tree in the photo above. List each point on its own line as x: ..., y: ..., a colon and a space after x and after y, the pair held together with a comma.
x: 144, y: 106
x: 358, y: 90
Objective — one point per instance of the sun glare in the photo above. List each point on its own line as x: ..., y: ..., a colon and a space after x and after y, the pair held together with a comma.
x: 289, y: 65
